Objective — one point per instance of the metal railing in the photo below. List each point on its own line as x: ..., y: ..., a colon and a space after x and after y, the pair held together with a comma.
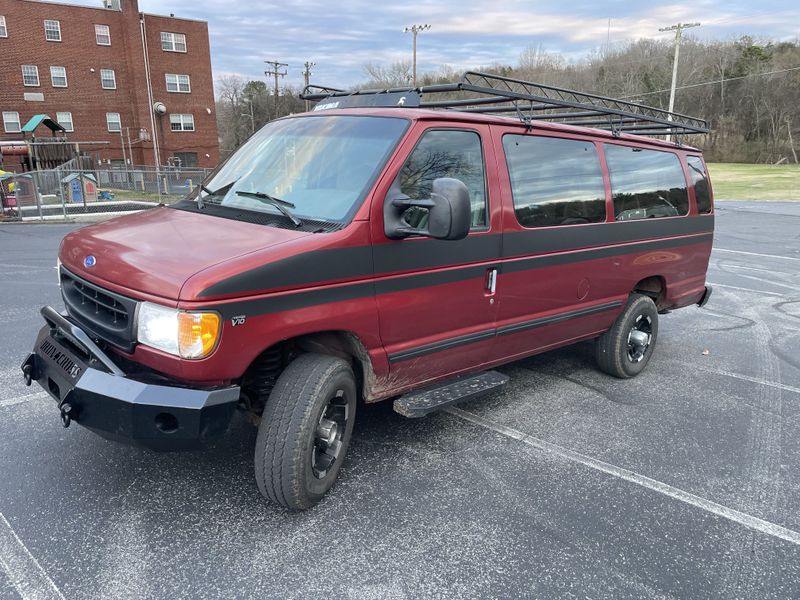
x: 63, y: 193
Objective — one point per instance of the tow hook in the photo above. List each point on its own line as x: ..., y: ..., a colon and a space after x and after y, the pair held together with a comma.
x: 66, y: 409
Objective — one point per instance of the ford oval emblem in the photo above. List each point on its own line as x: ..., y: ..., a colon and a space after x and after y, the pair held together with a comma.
x: 89, y: 261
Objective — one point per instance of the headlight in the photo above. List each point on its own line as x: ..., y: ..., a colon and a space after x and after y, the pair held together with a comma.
x: 185, y: 334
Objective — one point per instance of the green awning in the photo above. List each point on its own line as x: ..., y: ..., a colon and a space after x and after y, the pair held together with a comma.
x: 45, y: 120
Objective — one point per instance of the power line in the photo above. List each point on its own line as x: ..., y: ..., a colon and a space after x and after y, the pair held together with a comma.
x: 715, y: 82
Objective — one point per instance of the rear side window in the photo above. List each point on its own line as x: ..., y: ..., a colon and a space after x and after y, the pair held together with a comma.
x: 444, y: 153
x: 700, y: 182
x: 554, y: 181
x: 646, y: 184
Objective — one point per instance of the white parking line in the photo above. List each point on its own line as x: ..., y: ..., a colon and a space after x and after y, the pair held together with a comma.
x: 21, y: 399
x: 756, y: 254
x: 731, y: 514
x: 774, y: 384
x: 744, y: 289
x: 26, y: 574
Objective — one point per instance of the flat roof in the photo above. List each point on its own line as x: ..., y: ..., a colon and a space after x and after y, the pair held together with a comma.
x: 104, y: 9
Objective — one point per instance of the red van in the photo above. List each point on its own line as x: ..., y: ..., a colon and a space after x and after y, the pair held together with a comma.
x: 394, y: 244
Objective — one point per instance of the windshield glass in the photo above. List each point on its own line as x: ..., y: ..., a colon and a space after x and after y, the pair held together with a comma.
x: 320, y: 166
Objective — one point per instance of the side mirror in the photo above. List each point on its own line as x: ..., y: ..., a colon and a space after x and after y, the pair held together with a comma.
x: 449, y: 212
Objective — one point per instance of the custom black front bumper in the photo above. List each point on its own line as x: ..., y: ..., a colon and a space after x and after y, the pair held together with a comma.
x: 94, y: 392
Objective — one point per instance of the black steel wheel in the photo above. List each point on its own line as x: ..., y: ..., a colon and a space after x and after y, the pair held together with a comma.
x: 305, y: 430
x: 625, y: 349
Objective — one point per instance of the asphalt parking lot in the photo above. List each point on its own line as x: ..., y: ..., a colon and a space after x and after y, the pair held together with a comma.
x: 684, y: 482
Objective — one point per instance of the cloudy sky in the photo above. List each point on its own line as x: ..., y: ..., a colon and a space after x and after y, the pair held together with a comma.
x: 340, y: 36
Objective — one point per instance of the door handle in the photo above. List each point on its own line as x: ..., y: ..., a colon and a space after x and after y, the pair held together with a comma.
x: 491, y: 281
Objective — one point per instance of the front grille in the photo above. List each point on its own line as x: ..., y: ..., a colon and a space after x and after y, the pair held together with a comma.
x: 101, y: 312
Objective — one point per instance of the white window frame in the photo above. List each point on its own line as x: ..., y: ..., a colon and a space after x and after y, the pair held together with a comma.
x: 103, y: 79
x: 51, y: 29
x: 178, y: 81
x: 35, y: 71
x: 6, y: 122
x: 3, y: 28
x: 118, y: 121
x: 171, y: 40
x: 61, y: 121
x: 186, y: 122
x: 53, y: 77
x: 102, y: 31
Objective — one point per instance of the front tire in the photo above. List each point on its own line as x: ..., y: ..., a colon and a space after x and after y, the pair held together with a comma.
x: 305, y: 431
x: 624, y: 350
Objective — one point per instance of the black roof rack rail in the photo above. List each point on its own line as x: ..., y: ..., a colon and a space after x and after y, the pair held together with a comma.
x: 526, y: 100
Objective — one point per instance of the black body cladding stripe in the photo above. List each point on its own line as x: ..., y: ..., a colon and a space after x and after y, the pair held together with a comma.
x: 313, y: 268
x: 318, y: 266
x: 505, y: 330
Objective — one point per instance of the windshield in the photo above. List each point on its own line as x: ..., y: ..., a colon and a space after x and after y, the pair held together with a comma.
x: 319, y: 166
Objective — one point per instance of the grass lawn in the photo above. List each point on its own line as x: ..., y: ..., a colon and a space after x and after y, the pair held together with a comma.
x: 755, y: 182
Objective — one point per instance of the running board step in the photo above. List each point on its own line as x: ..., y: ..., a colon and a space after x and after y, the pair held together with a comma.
x: 423, y: 402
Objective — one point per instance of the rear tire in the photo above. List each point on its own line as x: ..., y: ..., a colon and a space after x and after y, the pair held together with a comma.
x: 305, y: 431
x: 624, y: 350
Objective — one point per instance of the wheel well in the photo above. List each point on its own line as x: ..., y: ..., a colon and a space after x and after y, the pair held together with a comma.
x: 654, y: 286
x: 267, y: 367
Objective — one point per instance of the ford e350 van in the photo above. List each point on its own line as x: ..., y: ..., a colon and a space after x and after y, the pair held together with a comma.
x: 395, y: 244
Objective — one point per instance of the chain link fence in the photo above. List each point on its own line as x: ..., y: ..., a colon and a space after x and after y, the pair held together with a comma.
x: 65, y: 193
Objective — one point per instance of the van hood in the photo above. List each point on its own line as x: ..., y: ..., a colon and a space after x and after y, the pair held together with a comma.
x: 156, y: 251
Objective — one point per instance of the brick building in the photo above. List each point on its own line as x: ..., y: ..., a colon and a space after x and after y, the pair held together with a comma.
x: 107, y: 73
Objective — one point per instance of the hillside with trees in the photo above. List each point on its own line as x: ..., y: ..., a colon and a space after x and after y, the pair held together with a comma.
x: 746, y: 89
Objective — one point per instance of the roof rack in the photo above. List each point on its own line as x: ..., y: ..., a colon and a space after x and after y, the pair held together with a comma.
x: 528, y: 101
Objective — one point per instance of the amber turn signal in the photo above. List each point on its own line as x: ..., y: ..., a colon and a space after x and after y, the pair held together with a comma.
x: 197, y: 333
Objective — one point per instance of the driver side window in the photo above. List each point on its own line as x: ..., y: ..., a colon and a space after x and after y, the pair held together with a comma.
x: 444, y: 153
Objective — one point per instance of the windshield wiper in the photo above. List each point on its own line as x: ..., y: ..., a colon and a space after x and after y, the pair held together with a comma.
x: 282, y: 205
x: 200, y: 204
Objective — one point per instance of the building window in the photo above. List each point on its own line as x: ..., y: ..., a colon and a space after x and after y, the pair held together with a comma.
x: 11, y: 122
x: 113, y: 121
x: 185, y: 160
x: 65, y: 120
x: 181, y: 122
x: 30, y: 75
x: 3, y: 30
x: 108, y: 79
x: 178, y: 83
x: 58, y: 75
x: 102, y: 35
x: 173, y: 42
x: 52, y: 31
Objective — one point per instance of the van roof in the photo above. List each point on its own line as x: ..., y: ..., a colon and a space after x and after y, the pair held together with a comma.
x: 455, y: 116
x: 514, y: 100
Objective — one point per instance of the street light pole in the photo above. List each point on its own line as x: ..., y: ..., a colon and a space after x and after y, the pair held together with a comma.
x: 415, y: 29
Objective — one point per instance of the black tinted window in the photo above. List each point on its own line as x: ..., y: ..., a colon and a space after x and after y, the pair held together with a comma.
x: 445, y: 153
x: 700, y: 183
x: 646, y: 183
x: 554, y: 181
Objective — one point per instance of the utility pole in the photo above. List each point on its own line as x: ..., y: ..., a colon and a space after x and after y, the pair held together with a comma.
x: 415, y: 29
x: 275, y: 71
x: 678, y: 29
x: 307, y: 66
